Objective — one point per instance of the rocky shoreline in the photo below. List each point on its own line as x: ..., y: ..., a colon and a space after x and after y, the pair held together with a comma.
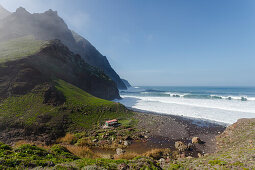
x: 162, y: 131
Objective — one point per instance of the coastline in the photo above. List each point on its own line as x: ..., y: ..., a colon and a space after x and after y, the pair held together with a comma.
x: 163, y: 130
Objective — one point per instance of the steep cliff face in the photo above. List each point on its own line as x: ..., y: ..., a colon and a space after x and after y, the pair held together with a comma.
x: 53, y: 61
x: 48, y: 26
x: 126, y: 83
x: 89, y: 52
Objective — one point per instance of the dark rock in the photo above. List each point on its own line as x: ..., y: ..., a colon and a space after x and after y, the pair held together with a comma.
x: 126, y: 83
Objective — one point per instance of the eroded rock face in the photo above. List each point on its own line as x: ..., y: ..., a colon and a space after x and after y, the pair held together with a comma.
x: 18, y: 77
x: 53, y: 97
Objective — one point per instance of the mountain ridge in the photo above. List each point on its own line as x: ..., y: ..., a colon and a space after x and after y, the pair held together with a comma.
x: 48, y: 26
x: 53, y: 60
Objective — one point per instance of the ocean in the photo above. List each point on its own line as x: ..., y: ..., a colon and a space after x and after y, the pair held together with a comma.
x: 217, y: 104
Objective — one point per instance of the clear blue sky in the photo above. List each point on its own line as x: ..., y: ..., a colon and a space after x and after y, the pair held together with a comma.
x: 165, y: 42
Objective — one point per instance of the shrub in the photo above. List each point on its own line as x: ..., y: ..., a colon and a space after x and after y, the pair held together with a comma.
x: 217, y: 162
x: 62, y: 152
x: 158, y: 153
x: 81, y: 151
x: 68, y: 138
x: 127, y: 155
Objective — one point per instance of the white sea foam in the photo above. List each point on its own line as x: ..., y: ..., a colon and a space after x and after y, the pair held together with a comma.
x: 227, y: 111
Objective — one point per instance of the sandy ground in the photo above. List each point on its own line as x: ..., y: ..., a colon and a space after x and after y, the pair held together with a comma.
x: 165, y: 130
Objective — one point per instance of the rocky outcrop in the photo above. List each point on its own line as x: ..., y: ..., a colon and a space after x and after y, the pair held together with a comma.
x: 49, y: 26
x: 126, y: 83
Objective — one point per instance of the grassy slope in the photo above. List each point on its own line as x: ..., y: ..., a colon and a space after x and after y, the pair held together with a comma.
x: 26, y: 156
x: 85, y: 110
x: 29, y: 156
x: 89, y: 111
x: 19, y: 48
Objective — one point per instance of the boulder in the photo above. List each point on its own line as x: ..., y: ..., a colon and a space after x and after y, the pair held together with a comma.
x: 119, y: 151
x: 196, y: 140
x: 126, y: 142
x: 180, y: 146
x: 190, y: 146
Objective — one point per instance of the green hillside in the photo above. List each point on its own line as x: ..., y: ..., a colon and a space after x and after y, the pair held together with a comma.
x: 76, y: 110
x: 20, y: 48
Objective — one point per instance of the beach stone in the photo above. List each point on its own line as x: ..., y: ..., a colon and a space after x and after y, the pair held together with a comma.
x: 126, y: 143
x: 119, y: 151
x: 190, y: 146
x: 180, y: 146
x: 182, y: 155
x: 196, y: 140
x: 162, y: 161
x: 95, y: 140
x: 123, y: 166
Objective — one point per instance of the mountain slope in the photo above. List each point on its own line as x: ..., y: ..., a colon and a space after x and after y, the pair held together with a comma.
x: 48, y: 26
x: 27, y: 62
x: 50, y: 110
x: 86, y: 49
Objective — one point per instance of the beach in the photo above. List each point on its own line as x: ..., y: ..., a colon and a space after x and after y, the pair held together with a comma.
x: 164, y: 130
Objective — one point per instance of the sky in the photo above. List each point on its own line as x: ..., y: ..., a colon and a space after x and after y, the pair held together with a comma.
x: 165, y: 42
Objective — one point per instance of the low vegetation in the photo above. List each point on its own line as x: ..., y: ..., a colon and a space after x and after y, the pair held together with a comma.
x: 19, y: 48
x: 79, y: 111
x: 29, y: 156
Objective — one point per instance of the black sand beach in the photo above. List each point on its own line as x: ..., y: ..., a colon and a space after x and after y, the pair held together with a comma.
x: 162, y: 131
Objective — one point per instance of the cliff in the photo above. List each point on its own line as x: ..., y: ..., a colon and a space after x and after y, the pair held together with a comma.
x: 126, y: 83
x: 48, y: 26
x: 49, y: 60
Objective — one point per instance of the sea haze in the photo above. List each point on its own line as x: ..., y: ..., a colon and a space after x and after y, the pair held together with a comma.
x: 220, y: 104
